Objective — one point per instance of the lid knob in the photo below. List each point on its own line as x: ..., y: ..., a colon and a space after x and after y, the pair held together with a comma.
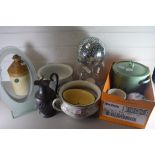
x: 131, y: 64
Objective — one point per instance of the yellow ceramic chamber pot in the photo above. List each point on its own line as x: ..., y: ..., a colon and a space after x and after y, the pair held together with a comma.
x: 19, y: 76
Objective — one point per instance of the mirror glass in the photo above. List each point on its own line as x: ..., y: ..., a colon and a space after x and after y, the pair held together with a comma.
x: 16, y: 81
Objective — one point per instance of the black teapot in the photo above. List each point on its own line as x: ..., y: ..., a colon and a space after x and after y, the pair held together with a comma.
x: 45, y: 95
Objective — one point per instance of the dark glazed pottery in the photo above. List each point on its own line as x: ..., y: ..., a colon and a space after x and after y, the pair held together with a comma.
x: 45, y: 95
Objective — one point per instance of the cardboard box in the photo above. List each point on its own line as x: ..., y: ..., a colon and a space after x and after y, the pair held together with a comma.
x: 134, y: 113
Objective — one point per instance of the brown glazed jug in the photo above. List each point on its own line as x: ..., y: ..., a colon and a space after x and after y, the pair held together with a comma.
x: 45, y: 95
x: 19, y: 75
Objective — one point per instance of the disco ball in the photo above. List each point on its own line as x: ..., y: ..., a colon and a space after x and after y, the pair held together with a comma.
x: 91, y: 50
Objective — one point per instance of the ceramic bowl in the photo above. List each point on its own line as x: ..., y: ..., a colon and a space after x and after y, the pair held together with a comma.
x: 117, y: 92
x: 64, y: 71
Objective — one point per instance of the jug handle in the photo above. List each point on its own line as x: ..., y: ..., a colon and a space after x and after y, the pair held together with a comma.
x: 56, y: 104
x: 57, y: 80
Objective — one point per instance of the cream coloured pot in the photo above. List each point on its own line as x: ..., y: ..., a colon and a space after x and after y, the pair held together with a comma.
x: 76, y: 111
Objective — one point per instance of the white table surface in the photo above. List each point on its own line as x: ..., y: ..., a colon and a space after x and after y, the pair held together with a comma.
x: 34, y: 120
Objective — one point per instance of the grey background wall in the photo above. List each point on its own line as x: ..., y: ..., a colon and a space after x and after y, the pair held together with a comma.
x: 59, y: 44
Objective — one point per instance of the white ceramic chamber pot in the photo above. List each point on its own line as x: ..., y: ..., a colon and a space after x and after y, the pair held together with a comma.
x: 78, y: 111
x: 117, y: 92
x: 64, y: 71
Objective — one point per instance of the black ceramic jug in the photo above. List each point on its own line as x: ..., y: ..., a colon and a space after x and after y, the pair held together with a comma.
x: 45, y: 95
x: 153, y: 76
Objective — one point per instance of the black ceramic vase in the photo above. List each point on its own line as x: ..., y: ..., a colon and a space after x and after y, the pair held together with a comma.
x: 45, y: 95
x: 153, y: 76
